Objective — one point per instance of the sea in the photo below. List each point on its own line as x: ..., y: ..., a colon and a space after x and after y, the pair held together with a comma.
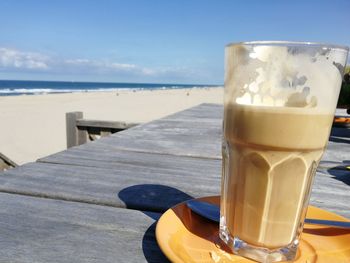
x: 24, y: 87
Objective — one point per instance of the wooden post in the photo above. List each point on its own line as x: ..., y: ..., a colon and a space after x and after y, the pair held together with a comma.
x: 75, y: 136
x: 6, y: 163
x: 3, y: 165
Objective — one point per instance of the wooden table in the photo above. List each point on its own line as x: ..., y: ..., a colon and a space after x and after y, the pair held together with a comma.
x: 99, y: 202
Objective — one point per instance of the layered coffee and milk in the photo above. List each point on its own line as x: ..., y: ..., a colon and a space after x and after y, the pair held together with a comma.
x: 269, y: 158
x: 278, y: 108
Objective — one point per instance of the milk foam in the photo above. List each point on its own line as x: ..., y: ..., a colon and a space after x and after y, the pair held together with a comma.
x: 283, y: 76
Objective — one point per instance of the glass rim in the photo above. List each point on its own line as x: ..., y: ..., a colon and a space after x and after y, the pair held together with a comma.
x: 290, y: 44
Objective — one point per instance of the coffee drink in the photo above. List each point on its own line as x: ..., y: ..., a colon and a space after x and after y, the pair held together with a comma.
x: 279, y: 104
x: 268, y: 167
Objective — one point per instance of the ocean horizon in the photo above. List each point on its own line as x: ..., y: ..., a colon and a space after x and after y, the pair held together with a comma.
x: 35, y: 87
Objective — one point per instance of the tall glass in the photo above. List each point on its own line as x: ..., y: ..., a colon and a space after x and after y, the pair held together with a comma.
x: 279, y: 103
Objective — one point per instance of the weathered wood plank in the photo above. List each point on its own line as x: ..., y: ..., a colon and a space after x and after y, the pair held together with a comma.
x: 330, y: 191
x: 98, y: 156
x: 206, y: 111
x: 198, y: 139
x: 337, y: 150
x: 44, y: 230
x: 105, y: 124
x: 200, y: 127
x: 197, y: 147
x: 145, y: 186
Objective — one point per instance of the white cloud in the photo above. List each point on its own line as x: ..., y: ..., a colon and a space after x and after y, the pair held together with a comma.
x: 148, y: 71
x: 17, y: 61
x: 79, y: 61
x: 98, y: 66
x: 119, y: 66
x: 12, y: 58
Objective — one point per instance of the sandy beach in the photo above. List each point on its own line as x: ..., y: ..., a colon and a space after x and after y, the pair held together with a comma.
x: 33, y: 126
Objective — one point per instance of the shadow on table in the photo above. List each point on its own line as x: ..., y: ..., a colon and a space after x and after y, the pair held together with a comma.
x: 340, y: 140
x: 154, y: 198
x: 341, y: 135
x: 341, y: 172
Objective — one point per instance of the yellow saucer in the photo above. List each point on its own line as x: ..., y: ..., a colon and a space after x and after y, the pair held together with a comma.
x: 184, y: 236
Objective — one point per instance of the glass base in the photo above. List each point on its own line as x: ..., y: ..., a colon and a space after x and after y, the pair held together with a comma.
x: 259, y: 254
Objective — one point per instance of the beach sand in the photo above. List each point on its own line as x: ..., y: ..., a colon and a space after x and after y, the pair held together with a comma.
x: 33, y: 126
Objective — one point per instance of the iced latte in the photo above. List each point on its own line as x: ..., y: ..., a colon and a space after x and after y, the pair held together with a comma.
x: 276, y: 127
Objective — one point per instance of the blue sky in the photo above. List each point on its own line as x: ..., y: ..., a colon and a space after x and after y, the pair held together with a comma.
x: 151, y: 41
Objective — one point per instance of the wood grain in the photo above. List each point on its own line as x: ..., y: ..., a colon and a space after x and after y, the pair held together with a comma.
x: 44, y: 230
x: 145, y: 187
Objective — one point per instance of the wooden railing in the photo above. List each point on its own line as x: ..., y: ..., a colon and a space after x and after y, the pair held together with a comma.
x: 80, y: 131
x: 6, y: 163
